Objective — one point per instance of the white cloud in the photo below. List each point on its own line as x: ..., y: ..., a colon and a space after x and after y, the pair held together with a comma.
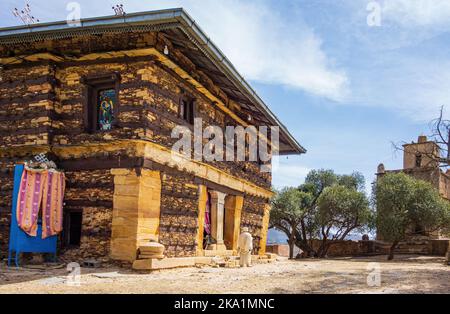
x: 264, y: 46
x: 289, y: 175
x: 413, y: 86
x: 413, y: 13
x: 402, y: 65
x: 261, y: 42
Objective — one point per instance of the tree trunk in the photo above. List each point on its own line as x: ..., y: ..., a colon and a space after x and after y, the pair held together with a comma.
x: 391, y: 251
x: 291, y: 249
x: 324, y: 250
x: 319, y: 253
x: 291, y: 245
x: 302, y: 243
x: 309, y: 252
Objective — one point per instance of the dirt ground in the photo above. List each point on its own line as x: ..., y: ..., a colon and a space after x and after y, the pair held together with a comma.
x: 406, y: 274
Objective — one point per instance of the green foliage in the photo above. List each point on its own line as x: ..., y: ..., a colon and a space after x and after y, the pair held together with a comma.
x: 403, y: 202
x: 317, y: 180
x: 327, y: 206
x: 342, y: 209
x: 289, y: 205
x: 354, y: 181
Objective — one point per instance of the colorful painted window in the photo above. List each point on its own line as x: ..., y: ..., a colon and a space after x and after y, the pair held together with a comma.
x: 106, y: 101
x: 101, y: 105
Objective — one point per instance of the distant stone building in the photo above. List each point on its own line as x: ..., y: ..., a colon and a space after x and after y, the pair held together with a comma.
x: 420, y: 161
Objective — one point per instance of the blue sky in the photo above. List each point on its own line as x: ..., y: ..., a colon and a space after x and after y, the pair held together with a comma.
x: 344, y: 89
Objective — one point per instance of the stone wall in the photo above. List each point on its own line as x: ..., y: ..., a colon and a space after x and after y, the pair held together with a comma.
x: 90, y: 192
x: 439, y: 247
x: 426, y: 150
x: 179, y: 214
x: 342, y: 248
x: 337, y: 249
x: 6, y: 190
x: 42, y: 109
x: 279, y: 249
x: 252, y: 217
x: 45, y: 102
x: 5, y: 210
x: 27, y: 106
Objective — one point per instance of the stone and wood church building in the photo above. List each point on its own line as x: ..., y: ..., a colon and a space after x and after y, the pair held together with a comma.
x: 421, y: 161
x: 101, y: 99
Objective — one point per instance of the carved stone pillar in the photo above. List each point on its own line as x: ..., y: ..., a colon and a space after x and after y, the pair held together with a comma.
x: 217, y: 213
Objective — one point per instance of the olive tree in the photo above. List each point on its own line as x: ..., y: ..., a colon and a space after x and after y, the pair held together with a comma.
x: 403, y: 203
x: 289, y: 207
x: 308, y: 229
x: 327, y: 207
x: 341, y: 210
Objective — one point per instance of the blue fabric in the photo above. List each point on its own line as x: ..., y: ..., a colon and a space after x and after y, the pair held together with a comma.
x: 19, y: 241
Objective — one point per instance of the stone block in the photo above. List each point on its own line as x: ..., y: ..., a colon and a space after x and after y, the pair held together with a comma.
x: 125, y: 202
x: 124, y: 231
x: 120, y: 172
x: 126, y: 180
x: 203, y: 260
x: 167, y: 263
x: 213, y: 253
x: 136, y: 211
x: 127, y: 190
x: 123, y: 250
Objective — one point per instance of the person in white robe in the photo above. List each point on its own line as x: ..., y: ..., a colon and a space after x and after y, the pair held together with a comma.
x: 245, y: 248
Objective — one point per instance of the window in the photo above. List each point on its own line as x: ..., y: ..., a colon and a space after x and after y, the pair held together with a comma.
x: 106, y: 101
x: 418, y: 160
x: 101, y: 102
x: 186, y: 109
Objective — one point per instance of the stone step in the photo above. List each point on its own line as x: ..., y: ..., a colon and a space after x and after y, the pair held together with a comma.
x: 150, y: 256
x: 412, y: 246
x: 167, y: 263
x: 213, y: 253
x: 412, y: 251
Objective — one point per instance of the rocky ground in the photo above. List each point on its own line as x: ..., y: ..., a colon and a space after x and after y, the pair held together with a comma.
x: 406, y: 274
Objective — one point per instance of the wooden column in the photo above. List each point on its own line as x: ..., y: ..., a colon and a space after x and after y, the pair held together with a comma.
x: 233, y: 204
x: 237, y: 220
x: 136, y: 211
x: 202, y: 199
x: 264, y: 230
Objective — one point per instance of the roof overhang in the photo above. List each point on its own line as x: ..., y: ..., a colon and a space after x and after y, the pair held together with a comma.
x: 156, y: 21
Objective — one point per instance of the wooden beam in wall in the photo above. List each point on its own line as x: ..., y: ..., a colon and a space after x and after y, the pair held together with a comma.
x: 202, y: 199
x: 150, y: 52
x: 160, y: 155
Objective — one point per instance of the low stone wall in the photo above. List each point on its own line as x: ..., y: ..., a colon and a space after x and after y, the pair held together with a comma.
x: 279, y: 249
x: 439, y: 247
x: 342, y: 248
x: 337, y: 249
x: 360, y: 248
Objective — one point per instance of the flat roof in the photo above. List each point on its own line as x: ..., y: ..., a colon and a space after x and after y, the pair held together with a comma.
x: 159, y: 20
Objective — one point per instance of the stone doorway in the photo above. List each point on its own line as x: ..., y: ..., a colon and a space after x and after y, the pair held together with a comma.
x: 224, y: 217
